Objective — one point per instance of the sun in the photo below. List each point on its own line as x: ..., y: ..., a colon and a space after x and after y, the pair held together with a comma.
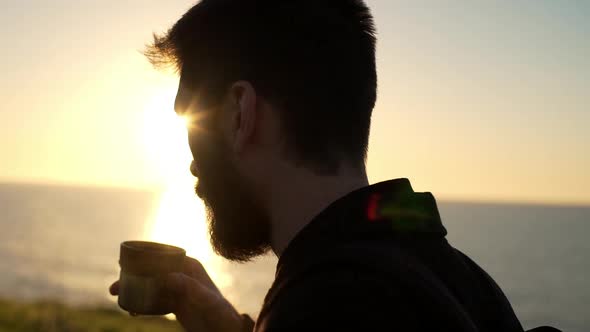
x: 164, y: 135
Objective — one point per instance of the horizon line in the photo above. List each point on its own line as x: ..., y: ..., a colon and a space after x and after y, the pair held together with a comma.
x: 159, y: 188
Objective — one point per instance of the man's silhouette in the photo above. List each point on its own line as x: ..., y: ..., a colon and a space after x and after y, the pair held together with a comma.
x: 279, y: 94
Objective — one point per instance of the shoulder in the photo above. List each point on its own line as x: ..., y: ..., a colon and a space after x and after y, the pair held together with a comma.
x: 341, y: 297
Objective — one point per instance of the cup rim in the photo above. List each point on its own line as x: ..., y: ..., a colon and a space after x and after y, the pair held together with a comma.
x: 152, y: 247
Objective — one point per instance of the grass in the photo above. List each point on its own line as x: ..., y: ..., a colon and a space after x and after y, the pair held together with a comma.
x: 48, y: 316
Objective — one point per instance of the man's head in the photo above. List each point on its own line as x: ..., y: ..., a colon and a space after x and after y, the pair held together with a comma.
x: 269, y: 83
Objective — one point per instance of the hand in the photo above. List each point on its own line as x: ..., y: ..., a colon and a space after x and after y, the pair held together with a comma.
x: 199, y: 305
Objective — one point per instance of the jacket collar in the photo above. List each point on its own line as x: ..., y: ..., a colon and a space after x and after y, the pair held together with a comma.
x: 382, y: 209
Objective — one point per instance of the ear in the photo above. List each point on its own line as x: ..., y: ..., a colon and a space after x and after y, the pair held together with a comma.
x: 244, y: 98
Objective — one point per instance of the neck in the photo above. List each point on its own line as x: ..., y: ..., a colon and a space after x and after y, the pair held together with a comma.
x: 301, y: 196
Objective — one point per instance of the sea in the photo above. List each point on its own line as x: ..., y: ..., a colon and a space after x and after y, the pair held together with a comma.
x: 62, y: 243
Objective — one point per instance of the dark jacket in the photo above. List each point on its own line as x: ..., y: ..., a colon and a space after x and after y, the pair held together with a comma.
x: 340, y: 293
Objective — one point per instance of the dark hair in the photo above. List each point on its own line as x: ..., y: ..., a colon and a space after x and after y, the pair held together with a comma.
x: 313, y: 59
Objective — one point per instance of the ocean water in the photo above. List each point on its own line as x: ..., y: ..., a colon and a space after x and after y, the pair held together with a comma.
x: 62, y: 243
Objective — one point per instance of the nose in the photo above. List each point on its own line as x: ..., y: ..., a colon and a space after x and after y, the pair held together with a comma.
x: 193, y: 169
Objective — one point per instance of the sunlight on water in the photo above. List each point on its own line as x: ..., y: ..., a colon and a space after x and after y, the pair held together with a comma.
x: 180, y: 221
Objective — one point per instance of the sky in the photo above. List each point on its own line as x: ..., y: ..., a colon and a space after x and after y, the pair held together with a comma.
x: 478, y: 100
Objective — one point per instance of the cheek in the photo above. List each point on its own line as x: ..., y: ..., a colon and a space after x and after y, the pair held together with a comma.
x: 207, y: 150
x: 200, y: 143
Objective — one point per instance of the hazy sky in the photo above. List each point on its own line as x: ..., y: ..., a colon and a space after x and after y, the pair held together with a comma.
x: 477, y: 100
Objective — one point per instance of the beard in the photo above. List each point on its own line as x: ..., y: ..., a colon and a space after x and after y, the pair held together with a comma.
x: 239, y: 228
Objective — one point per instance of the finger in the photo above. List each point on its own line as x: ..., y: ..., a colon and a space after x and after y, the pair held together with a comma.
x: 194, y: 269
x: 114, y: 289
x: 188, y: 291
